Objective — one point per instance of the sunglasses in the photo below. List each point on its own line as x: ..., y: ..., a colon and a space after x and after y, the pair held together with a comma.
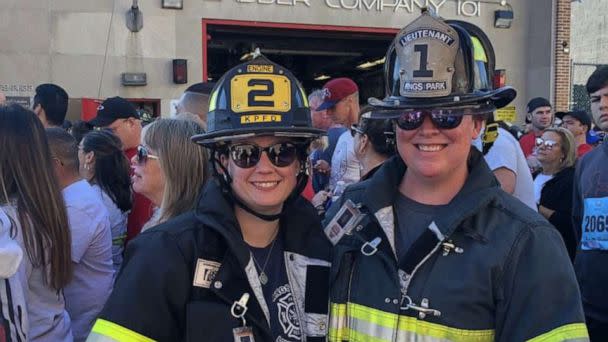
x: 143, y: 155
x: 441, y: 118
x: 354, y: 129
x: 246, y: 156
x: 548, y: 144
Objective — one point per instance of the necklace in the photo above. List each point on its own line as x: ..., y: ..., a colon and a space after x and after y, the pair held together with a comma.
x: 263, y: 277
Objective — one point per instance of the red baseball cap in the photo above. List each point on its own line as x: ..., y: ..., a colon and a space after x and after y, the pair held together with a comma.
x: 335, y: 90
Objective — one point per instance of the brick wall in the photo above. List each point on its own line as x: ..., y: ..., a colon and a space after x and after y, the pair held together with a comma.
x: 562, y: 59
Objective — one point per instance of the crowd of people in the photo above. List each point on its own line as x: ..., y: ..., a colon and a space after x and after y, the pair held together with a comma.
x: 255, y: 215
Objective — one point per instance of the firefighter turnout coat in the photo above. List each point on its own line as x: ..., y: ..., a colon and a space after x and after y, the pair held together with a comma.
x: 180, y: 280
x: 488, y: 268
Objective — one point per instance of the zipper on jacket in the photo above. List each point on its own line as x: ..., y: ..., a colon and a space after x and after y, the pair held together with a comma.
x: 405, y: 297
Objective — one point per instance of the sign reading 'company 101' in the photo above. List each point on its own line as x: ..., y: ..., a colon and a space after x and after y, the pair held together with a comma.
x: 466, y: 8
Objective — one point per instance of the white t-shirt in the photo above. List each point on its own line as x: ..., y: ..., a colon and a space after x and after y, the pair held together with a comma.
x: 344, y: 163
x: 13, y: 308
x: 118, y: 224
x: 539, y: 183
x: 506, y: 152
x: 91, y: 285
x: 48, y: 319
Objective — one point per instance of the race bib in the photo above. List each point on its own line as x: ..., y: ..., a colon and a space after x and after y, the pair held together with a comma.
x: 595, y: 224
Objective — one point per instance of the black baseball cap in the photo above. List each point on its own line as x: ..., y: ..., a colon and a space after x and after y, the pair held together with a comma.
x: 111, y: 109
x: 537, y: 102
x: 579, y: 115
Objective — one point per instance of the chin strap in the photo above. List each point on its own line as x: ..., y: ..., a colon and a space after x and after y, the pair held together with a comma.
x: 226, y: 180
x: 264, y: 217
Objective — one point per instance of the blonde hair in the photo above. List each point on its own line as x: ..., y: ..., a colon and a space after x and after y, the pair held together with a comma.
x: 183, y: 163
x: 568, y: 146
x: 321, y: 143
x: 191, y: 117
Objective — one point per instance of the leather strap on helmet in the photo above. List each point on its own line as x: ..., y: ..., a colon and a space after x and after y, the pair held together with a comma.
x: 225, y: 181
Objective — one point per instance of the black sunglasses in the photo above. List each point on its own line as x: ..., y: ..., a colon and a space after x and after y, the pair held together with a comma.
x: 143, y: 154
x: 441, y: 119
x: 354, y: 129
x: 248, y: 155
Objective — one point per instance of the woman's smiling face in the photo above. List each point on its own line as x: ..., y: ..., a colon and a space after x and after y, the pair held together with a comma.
x: 263, y: 187
x: 432, y: 152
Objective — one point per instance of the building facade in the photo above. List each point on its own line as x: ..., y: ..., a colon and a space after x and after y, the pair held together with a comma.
x: 86, y: 46
x: 589, y: 43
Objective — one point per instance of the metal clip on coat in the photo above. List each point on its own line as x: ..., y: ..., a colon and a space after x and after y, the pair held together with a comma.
x: 371, y: 247
x: 449, y: 246
x: 239, y: 308
x: 423, y: 309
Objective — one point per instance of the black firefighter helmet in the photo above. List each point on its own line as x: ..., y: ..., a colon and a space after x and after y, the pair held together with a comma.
x: 432, y: 63
x: 255, y: 98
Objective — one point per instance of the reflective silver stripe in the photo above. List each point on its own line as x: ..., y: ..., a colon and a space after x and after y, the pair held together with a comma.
x: 337, y: 317
x: 315, y: 325
x: 407, y: 336
x: 296, y: 266
x: 95, y: 337
x: 372, y: 330
x: 364, y: 330
x: 366, y: 323
x: 254, y: 281
x: 433, y: 227
x: 386, y: 219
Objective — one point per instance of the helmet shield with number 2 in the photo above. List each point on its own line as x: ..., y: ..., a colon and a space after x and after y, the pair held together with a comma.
x: 256, y: 98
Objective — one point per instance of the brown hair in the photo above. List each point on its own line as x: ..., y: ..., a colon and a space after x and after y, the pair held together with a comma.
x: 183, y: 163
x: 27, y: 179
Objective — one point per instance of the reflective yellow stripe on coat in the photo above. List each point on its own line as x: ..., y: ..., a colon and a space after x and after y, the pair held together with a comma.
x: 106, y: 331
x: 570, y: 332
x: 354, y: 322
x: 359, y: 323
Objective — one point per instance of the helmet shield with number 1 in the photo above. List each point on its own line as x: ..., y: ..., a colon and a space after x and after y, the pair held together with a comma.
x: 433, y: 64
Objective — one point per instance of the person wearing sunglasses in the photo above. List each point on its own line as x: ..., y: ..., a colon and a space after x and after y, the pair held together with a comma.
x: 121, y: 117
x: 430, y: 247
x: 553, y: 186
x: 168, y: 168
x: 250, y: 262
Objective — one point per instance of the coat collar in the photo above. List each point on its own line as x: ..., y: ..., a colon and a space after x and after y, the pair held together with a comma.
x: 300, y: 223
x: 479, y: 189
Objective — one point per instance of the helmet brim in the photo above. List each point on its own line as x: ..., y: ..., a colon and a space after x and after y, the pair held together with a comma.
x: 499, y: 98
x: 224, y: 136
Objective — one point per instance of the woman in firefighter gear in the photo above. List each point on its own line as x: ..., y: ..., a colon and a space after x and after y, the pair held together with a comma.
x: 430, y: 248
x: 251, y: 262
